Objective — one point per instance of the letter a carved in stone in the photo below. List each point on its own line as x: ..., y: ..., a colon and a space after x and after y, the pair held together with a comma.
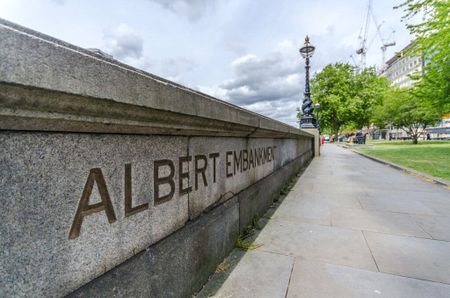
x: 84, y: 209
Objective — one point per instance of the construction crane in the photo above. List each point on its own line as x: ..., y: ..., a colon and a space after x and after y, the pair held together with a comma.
x: 383, y: 50
x: 354, y: 63
x: 362, y: 50
x: 364, y: 46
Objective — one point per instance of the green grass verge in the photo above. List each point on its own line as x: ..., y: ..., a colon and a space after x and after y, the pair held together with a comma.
x: 429, y: 157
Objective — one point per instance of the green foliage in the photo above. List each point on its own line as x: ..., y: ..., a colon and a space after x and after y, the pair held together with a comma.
x: 246, y: 245
x: 347, y: 98
x: 332, y: 88
x: 404, y: 111
x: 432, y: 42
x: 369, y: 91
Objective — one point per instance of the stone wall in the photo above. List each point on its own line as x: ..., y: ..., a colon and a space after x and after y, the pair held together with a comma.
x: 120, y: 182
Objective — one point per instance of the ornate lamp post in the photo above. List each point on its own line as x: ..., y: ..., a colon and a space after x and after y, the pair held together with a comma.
x: 317, y: 108
x: 307, y: 120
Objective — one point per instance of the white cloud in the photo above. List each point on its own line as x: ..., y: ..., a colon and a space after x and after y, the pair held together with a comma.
x: 123, y: 42
x: 243, y: 51
x: 192, y: 9
x: 270, y: 84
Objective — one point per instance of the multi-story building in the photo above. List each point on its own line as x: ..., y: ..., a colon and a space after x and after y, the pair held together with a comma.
x: 401, y: 67
x: 441, y: 131
x: 399, y: 70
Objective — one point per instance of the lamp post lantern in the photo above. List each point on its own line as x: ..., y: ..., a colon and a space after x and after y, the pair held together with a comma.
x: 307, y: 120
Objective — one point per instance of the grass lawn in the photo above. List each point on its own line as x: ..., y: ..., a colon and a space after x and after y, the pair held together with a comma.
x: 430, y: 157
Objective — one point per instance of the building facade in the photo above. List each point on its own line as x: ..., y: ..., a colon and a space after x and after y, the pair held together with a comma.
x: 401, y: 67
x: 399, y: 70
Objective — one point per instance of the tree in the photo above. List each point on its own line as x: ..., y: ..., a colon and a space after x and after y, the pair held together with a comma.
x: 403, y: 111
x: 369, y: 91
x: 432, y: 42
x: 333, y: 88
x: 346, y: 98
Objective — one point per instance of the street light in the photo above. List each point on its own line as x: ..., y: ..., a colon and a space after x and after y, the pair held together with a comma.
x: 317, y: 108
x: 307, y: 120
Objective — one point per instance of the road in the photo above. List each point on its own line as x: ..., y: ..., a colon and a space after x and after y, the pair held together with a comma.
x: 350, y: 227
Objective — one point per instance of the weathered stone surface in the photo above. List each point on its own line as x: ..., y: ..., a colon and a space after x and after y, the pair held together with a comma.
x: 317, y: 280
x: 411, y: 257
x: 177, y: 266
x: 271, y: 278
x: 316, y: 141
x: 239, y: 164
x: 315, y: 242
x: 36, y: 60
x: 99, y: 161
x: 377, y: 221
x: 254, y: 201
x: 438, y: 227
x: 304, y: 208
x: 42, y: 179
x: 50, y: 174
x: 225, y: 187
x: 157, y: 272
x: 403, y: 205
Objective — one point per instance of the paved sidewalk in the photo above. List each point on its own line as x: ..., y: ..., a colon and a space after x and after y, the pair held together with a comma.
x: 350, y: 227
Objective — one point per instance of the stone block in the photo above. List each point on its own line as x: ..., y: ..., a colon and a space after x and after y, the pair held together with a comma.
x: 377, y: 221
x: 43, y: 178
x: 315, y: 242
x: 411, y: 257
x: 317, y: 280
x: 239, y: 164
x: 437, y: 227
x: 255, y: 200
x: 259, y: 274
x: 99, y: 161
x: 179, y: 265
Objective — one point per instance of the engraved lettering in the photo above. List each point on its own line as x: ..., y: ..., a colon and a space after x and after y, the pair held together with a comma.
x: 129, y: 210
x: 250, y: 160
x: 201, y: 170
x: 259, y: 156
x: 244, y: 160
x: 237, y: 162
x: 84, y: 209
x: 214, y: 156
x: 228, y: 164
x: 183, y: 175
x: 157, y: 181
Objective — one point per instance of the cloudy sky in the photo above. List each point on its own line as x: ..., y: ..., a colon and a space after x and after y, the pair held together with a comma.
x: 241, y: 51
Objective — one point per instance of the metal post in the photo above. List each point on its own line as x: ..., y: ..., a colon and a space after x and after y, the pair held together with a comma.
x: 307, y: 120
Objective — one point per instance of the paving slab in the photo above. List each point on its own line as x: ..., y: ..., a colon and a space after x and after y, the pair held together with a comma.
x: 306, y: 210
x: 411, y: 257
x: 437, y: 194
x: 402, y: 205
x: 256, y: 274
x: 438, y: 227
x: 355, y: 228
x: 439, y: 207
x: 317, y: 280
x: 377, y: 221
x: 316, y: 242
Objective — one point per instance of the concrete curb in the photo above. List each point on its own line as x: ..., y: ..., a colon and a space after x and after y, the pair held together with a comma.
x: 429, y: 178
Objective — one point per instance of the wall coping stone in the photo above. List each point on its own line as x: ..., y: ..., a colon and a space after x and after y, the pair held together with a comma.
x: 49, y: 85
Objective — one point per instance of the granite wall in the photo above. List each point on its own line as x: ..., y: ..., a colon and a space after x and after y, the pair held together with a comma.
x: 120, y: 182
